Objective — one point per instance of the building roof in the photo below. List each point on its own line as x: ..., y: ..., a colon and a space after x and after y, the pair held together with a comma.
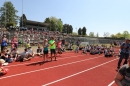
x: 30, y: 22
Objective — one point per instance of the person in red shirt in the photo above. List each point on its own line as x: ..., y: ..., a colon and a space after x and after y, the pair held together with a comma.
x: 14, y: 41
x: 3, y: 71
x: 59, y: 46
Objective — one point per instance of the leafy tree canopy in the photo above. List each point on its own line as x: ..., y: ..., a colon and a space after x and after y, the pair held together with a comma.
x: 8, y: 14
x: 56, y: 24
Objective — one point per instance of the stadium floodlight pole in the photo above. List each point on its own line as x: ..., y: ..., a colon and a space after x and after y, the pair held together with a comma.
x: 76, y: 31
x: 5, y: 13
x: 22, y: 13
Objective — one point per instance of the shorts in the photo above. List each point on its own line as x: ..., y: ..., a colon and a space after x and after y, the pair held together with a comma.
x: 59, y: 49
x: 16, y: 45
x: 53, y: 51
x: 45, y: 52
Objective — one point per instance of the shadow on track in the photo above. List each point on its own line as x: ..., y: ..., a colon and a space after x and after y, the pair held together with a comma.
x: 38, y: 63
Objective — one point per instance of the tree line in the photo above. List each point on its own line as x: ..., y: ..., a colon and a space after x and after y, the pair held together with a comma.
x: 57, y: 25
x: 82, y: 31
x: 8, y: 15
x: 125, y: 35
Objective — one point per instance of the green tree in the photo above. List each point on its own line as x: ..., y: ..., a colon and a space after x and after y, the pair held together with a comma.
x: 56, y: 24
x: 126, y: 34
x: 64, y: 28
x: 8, y: 14
x: 119, y: 35
x: 53, y: 26
x: 74, y: 33
x: 84, y: 31
x: 23, y: 20
x: 113, y: 36
x: 91, y: 34
x: 97, y: 35
x: 79, y: 31
x: 59, y: 25
x: 67, y: 29
x: 47, y: 20
x: 70, y: 29
x: 9, y: 24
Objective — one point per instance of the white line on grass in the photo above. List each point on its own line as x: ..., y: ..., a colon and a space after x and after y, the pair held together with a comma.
x: 49, y: 68
x: 78, y: 73
x: 39, y: 61
x: 111, y: 83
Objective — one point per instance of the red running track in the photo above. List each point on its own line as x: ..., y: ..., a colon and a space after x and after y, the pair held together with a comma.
x: 71, y: 69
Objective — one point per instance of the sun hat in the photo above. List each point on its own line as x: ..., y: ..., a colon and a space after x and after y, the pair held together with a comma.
x: 2, y: 61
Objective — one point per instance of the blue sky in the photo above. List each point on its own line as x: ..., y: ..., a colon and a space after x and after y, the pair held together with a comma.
x: 97, y: 16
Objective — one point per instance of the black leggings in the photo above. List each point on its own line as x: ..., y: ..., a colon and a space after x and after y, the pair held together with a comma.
x: 2, y: 47
x: 108, y: 55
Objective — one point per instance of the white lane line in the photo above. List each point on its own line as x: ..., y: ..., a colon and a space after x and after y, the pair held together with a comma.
x: 78, y: 73
x: 111, y: 83
x: 48, y: 68
x: 40, y: 61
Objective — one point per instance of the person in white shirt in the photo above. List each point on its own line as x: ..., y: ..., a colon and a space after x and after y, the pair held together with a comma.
x: 31, y: 52
x: 84, y: 50
x: 107, y: 53
x: 24, y: 56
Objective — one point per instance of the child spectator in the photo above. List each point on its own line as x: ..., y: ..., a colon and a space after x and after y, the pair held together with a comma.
x: 3, y: 71
x: 77, y: 49
x: 84, y: 50
x: 24, y: 56
x: 14, y: 54
x: 59, y: 46
x: 12, y: 46
x: 63, y: 48
x: 107, y: 53
x: 39, y: 51
x: 31, y: 52
x: 4, y: 56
